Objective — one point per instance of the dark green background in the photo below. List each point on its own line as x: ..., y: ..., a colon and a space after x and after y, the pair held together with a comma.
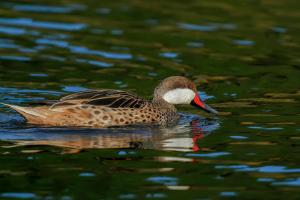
x: 246, y: 56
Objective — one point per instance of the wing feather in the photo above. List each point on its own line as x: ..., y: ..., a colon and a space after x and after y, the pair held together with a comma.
x: 108, y: 98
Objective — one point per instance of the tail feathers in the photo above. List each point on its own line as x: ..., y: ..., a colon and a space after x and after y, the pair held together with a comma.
x: 27, y: 112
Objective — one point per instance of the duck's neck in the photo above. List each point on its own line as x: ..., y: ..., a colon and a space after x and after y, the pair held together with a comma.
x: 161, y: 103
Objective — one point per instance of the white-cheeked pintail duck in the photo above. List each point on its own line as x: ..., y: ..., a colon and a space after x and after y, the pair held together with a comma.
x: 107, y: 107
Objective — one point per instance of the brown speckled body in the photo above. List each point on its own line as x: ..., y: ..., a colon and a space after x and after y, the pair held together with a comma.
x: 101, y: 116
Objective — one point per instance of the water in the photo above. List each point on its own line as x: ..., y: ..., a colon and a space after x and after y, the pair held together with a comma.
x: 244, y: 55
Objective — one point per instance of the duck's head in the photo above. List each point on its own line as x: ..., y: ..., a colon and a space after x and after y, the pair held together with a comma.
x: 180, y: 90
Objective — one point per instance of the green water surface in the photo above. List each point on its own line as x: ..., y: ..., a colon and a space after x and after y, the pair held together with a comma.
x: 242, y: 55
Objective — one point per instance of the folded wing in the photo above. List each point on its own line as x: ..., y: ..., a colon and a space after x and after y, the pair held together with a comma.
x: 108, y: 98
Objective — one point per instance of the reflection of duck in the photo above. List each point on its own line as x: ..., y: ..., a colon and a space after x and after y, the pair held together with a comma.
x: 182, y: 137
x: 105, y: 108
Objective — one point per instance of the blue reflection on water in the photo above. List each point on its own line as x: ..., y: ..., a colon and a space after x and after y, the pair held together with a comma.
x: 6, y: 44
x: 243, y: 42
x: 12, y: 30
x: 155, y: 196
x: 57, y: 43
x: 265, y: 180
x: 9, y: 90
x: 38, y: 75
x: 266, y: 128
x: 122, y: 153
x: 47, y: 8
x: 262, y: 169
x: 288, y: 182
x: 95, y: 62
x: 207, y: 28
x: 204, y: 96
x: 15, y: 58
x: 87, y: 174
x: 18, y: 195
x: 228, y: 194
x: 195, y: 44
x: 42, y: 24
x: 72, y: 88
x: 208, y: 155
x: 196, y: 27
x: 55, y: 58
x: 169, y: 54
x: 278, y: 29
x: 83, y: 50
x: 165, y: 180
x: 111, y: 55
x: 238, y: 137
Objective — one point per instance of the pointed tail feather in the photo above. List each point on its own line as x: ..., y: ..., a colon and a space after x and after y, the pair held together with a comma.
x: 27, y: 112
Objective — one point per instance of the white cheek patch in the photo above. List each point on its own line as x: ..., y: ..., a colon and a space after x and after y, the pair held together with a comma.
x: 179, y: 96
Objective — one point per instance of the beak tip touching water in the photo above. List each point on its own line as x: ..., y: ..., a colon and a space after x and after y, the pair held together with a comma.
x: 210, y: 110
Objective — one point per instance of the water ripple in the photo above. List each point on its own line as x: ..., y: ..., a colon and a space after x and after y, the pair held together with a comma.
x: 165, y: 180
x: 196, y: 27
x: 84, y: 50
x: 288, y: 182
x: 18, y: 195
x: 243, y: 42
x: 12, y: 30
x: 208, y: 155
x: 43, y: 24
x: 15, y: 58
x: 9, y: 90
x: 95, y: 62
x: 47, y: 8
x: 262, y: 169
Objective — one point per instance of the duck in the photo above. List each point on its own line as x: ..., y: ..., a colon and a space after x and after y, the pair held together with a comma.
x: 110, y: 108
